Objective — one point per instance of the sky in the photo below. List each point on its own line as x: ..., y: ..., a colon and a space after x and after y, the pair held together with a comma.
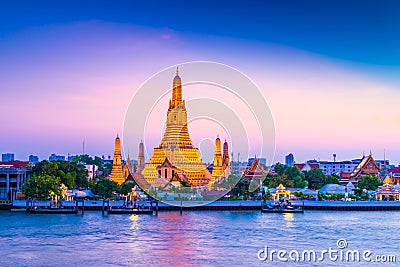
x: 329, y: 70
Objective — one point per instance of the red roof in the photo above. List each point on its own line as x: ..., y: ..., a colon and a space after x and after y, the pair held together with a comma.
x: 395, y: 170
x: 16, y: 164
x: 302, y: 165
x: 314, y: 165
x: 299, y: 165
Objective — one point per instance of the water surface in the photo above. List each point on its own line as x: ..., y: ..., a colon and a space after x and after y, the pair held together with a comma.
x: 204, y: 238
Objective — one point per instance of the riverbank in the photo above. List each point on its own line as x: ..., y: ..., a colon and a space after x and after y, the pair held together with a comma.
x: 235, y: 205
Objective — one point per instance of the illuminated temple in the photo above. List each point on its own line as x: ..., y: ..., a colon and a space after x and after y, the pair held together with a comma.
x: 117, y: 174
x: 176, y: 158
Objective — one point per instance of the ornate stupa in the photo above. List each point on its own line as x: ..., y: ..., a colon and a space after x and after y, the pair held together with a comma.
x: 140, y: 164
x: 221, y: 167
x: 225, y: 158
x: 217, y: 168
x: 117, y: 174
x: 176, y: 155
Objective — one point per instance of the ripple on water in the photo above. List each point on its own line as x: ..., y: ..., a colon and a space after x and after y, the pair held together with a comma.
x: 193, y: 238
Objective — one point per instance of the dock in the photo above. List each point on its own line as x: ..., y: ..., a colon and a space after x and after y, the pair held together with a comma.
x: 117, y: 207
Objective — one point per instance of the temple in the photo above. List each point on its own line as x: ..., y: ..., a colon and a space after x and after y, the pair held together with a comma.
x: 221, y: 164
x: 176, y: 154
x: 367, y: 166
x: 117, y: 174
x: 255, y: 171
x: 128, y: 169
x: 141, y: 162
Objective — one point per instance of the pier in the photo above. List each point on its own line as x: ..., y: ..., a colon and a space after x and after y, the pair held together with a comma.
x: 235, y: 205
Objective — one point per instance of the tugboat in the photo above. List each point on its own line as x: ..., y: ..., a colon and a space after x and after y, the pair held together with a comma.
x: 281, y: 207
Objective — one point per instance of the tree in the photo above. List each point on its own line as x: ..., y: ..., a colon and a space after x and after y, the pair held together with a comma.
x: 42, y: 187
x: 288, y: 176
x: 331, y: 179
x: 315, y: 178
x: 126, y: 188
x: 369, y: 182
x: 229, y: 182
x: 241, y: 188
x: 105, y: 188
x: 64, y: 170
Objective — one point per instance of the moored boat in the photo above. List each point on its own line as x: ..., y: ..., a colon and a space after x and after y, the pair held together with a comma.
x: 281, y: 207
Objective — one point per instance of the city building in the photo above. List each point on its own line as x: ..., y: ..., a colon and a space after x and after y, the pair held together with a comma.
x: 7, y: 157
x: 92, y: 171
x: 289, y: 160
x: 12, y: 176
x: 117, y: 174
x: 334, y: 167
x: 238, y: 168
x: 54, y: 157
x: 176, y: 153
x: 33, y: 159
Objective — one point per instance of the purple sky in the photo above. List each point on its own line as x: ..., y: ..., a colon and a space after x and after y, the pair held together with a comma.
x: 68, y: 82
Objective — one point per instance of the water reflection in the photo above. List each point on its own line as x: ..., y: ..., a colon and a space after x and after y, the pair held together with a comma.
x: 193, y: 238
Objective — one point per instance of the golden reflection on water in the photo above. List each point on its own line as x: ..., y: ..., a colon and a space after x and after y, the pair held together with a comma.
x: 134, y: 217
x: 288, y: 216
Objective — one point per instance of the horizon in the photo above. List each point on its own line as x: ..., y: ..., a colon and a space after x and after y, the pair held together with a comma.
x: 67, y: 75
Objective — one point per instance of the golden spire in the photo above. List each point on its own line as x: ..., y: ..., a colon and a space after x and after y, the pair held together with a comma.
x: 177, y: 71
x: 116, y: 173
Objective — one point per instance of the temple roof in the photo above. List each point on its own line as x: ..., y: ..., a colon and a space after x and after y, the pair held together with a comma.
x: 365, y: 162
x: 387, y: 189
x: 255, y: 169
x: 166, y: 163
x: 388, y: 180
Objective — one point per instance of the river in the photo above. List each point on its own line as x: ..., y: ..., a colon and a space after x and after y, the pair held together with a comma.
x: 200, y: 238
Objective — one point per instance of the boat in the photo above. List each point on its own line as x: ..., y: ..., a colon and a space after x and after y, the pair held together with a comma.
x: 281, y: 207
x: 128, y: 210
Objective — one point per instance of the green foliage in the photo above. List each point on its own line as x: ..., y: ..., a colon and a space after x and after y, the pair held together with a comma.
x: 105, y: 188
x: 71, y: 174
x: 42, y: 187
x: 288, y: 176
x: 86, y: 159
x: 106, y: 169
x: 241, y: 188
x: 126, y: 188
x: 315, y: 178
x: 332, y: 179
x: 229, y: 182
x: 369, y: 182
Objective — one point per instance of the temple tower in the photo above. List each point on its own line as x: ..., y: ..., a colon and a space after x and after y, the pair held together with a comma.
x: 117, y: 174
x: 217, y: 169
x: 141, y: 162
x: 176, y: 146
x: 225, y: 158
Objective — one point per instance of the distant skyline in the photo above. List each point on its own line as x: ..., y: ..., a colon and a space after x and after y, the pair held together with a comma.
x: 328, y: 69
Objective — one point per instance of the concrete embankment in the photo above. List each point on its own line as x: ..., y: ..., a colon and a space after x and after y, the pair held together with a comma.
x: 238, y: 205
